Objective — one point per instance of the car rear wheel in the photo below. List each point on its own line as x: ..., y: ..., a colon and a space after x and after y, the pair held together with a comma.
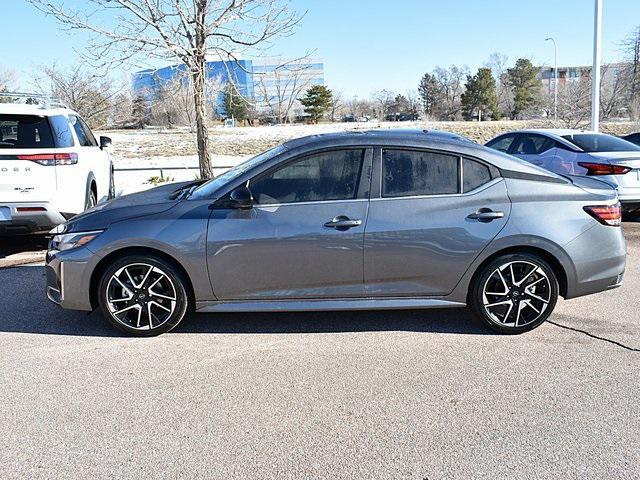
x: 514, y: 293
x: 142, y: 295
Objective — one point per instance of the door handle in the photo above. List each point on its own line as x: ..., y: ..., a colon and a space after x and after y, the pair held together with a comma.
x: 342, y: 222
x: 485, y: 215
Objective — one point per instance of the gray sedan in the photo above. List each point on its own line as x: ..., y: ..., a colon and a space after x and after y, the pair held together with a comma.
x: 579, y: 152
x: 361, y: 220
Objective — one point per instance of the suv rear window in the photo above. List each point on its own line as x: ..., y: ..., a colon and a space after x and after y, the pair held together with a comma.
x: 601, y: 142
x: 25, y: 131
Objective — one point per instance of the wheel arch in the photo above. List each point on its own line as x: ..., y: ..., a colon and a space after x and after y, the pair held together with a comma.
x: 555, y: 264
x: 102, y: 265
x: 91, y: 185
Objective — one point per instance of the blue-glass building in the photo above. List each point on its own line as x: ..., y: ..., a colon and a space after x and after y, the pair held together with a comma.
x: 147, y: 82
x: 264, y: 81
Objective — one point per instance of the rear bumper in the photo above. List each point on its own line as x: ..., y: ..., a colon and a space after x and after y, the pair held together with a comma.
x: 599, y: 257
x: 41, y: 219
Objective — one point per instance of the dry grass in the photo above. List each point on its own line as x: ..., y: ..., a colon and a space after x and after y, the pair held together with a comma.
x: 156, y: 142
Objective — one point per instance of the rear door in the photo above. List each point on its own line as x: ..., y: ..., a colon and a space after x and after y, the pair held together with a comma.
x: 27, y: 163
x: 432, y: 214
x: 304, y: 236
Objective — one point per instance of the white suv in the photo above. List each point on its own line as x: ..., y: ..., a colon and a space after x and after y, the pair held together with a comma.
x: 51, y: 167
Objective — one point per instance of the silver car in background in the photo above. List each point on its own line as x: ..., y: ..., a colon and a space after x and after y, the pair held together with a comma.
x: 579, y: 152
x: 356, y: 220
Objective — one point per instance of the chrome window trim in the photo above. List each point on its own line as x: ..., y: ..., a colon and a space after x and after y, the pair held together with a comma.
x: 271, y: 205
x: 482, y: 187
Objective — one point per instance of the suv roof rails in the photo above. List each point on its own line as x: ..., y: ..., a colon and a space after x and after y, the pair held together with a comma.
x: 44, y: 101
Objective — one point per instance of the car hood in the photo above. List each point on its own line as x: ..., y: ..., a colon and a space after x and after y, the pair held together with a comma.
x: 140, y: 204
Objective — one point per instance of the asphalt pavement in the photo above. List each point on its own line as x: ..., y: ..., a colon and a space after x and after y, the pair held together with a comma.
x: 395, y: 394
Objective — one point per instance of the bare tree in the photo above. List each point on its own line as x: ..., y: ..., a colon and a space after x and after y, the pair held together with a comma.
x: 498, y: 63
x: 337, y: 106
x: 186, y: 30
x: 91, y: 96
x: 574, y: 103
x: 278, y: 90
x: 383, y: 100
x: 7, y: 80
x: 452, y: 85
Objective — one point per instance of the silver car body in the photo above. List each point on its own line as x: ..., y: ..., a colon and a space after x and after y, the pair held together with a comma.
x: 404, y: 252
x: 563, y: 157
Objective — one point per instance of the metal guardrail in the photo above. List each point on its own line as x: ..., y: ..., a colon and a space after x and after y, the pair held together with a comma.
x: 162, y: 169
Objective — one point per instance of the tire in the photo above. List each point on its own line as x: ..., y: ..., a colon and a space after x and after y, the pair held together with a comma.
x: 90, y: 199
x: 112, y: 186
x: 151, y: 290
x: 514, y: 307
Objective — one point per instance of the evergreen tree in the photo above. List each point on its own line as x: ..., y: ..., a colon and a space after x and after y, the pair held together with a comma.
x: 527, y: 87
x: 235, y: 105
x: 431, y: 94
x: 317, y: 101
x: 479, y: 98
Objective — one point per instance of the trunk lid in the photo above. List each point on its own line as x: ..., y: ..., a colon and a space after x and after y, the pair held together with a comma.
x: 596, y: 186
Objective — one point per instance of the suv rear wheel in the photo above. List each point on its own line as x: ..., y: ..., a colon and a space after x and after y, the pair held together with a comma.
x: 142, y: 295
x: 514, y: 293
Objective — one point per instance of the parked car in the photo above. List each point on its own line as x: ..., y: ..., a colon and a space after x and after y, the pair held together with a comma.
x: 633, y: 138
x: 579, y: 152
x: 362, y: 220
x: 51, y: 167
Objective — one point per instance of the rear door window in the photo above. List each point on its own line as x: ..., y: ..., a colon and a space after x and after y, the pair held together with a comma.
x: 25, y: 131
x: 529, y: 144
x: 501, y: 143
x: 412, y: 172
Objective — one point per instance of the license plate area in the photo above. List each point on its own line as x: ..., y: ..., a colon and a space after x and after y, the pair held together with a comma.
x: 5, y: 214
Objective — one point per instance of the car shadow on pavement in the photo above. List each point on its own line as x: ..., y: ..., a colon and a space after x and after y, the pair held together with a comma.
x: 26, y: 310
x: 22, y: 244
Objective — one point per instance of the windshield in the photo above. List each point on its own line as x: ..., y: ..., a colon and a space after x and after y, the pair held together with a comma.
x: 600, y: 142
x: 206, y: 190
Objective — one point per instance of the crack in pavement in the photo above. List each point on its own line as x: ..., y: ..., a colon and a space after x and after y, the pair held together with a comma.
x: 604, y: 339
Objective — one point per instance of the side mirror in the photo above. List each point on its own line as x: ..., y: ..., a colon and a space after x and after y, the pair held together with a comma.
x: 105, y: 142
x: 241, y: 198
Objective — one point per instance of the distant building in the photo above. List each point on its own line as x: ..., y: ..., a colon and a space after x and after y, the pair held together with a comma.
x: 610, y: 72
x: 262, y: 81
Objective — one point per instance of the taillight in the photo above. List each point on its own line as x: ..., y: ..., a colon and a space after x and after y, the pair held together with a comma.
x: 604, y: 168
x: 51, y: 159
x: 31, y: 209
x: 606, y: 214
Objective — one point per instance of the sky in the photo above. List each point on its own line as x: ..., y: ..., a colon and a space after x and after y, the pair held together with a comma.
x: 368, y: 45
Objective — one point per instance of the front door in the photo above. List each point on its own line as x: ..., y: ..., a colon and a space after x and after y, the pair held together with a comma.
x: 434, y: 214
x: 304, y: 236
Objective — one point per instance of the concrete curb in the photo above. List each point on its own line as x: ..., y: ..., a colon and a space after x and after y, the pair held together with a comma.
x: 22, y: 259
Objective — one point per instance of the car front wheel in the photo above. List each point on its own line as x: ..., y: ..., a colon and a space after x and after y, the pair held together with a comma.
x: 514, y: 293
x: 142, y: 295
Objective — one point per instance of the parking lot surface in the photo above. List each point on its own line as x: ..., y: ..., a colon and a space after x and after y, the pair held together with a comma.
x: 396, y: 394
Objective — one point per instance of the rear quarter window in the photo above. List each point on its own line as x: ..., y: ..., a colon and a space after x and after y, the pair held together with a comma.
x: 61, y: 131
x: 474, y: 174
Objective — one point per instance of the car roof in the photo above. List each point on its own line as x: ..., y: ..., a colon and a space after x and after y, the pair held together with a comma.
x: 436, y: 139
x: 35, y: 109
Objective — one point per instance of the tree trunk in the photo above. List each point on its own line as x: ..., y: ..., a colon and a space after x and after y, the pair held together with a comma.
x: 198, y: 77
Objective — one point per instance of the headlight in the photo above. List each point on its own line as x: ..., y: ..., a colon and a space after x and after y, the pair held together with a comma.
x: 67, y: 241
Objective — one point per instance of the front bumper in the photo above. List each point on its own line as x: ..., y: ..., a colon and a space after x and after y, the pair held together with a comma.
x: 68, y: 277
x: 40, y: 218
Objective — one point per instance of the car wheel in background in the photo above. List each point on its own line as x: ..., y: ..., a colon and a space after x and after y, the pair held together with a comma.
x: 112, y: 186
x: 142, y: 295
x: 90, y: 200
x: 514, y: 293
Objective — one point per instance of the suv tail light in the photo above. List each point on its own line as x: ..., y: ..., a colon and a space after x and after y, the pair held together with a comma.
x: 51, y: 159
x: 604, y: 168
x: 606, y: 214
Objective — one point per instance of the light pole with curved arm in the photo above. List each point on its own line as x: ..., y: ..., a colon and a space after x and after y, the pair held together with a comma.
x: 555, y: 81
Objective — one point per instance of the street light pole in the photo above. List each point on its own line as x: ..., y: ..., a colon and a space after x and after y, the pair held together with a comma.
x: 555, y: 79
x: 595, y: 71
